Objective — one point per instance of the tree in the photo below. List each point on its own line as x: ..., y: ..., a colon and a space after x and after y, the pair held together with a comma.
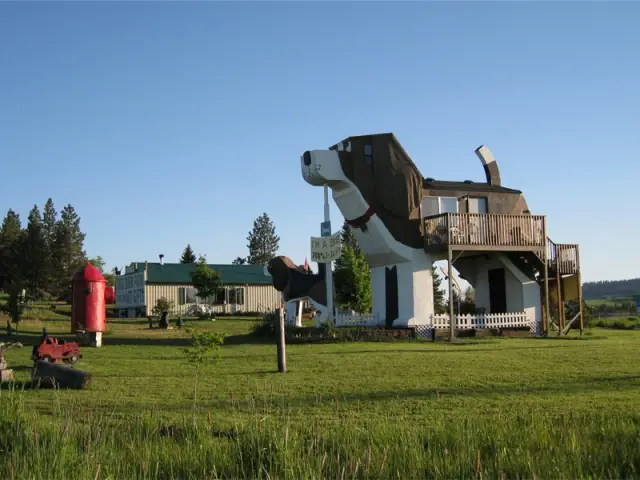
x: 205, y: 280
x: 162, y: 305
x: 98, y: 262
x: 11, y: 237
x: 49, y: 219
x: 263, y: 241
x: 14, y: 306
x: 438, y: 294
x: 187, y: 255
x: 34, y: 253
x: 348, y: 238
x: 239, y: 261
x: 204, y: 346
x: 68, y: 253
x: 352, y: 279
x: 110, y: 278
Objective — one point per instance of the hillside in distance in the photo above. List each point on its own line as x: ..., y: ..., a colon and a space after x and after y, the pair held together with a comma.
x: 611, y: 288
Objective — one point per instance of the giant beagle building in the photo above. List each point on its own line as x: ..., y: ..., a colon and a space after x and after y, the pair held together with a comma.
x: 404, y: 222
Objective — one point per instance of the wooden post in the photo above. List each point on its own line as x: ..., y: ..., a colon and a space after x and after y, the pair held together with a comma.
x: 547, y: 316
x: 452, y: 320
x: 579, y: 290
x: 559, y: 296
x: 282, y: 354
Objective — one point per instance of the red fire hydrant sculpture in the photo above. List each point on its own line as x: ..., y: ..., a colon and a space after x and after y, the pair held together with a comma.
x: 88, y: 306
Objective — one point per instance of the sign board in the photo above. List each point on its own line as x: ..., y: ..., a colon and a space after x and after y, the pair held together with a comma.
x: 325, y: 229
x: 130, y: 290
x: 326, y: 249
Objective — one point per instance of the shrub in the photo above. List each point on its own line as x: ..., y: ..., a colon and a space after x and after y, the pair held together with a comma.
x: 162, y: 305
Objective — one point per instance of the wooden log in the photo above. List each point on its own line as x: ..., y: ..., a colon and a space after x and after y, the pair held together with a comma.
x: 54, y: 375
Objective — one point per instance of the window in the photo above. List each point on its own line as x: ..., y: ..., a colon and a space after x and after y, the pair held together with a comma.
x: 430, y: 206
x: 236, y: 296
x: 187, y: 296
x: 437, y: 205
x: 448, y: 205
x: 478, y: 205
x: 368, y: 154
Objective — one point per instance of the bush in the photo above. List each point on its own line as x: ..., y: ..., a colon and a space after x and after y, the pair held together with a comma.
x: 162, y: 305
x: 268, y: 327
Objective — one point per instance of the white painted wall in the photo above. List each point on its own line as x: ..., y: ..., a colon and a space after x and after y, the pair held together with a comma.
x: 523, y: 294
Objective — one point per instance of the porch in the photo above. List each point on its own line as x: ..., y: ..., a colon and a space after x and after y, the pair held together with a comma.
x: 484, y: 232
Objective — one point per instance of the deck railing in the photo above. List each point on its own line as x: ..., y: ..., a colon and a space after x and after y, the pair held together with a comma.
x: 485, y: 230
x: 563, y: 257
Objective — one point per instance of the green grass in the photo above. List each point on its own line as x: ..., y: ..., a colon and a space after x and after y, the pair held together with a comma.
x: 548, y: 408
x: 616, y: 322
x: 609, y: 301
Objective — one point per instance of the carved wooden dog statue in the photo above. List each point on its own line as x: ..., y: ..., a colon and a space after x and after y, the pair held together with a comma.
x: 294, y: 282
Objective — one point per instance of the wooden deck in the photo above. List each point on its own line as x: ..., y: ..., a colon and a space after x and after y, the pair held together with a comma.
x: 563, y: 257
x: 485, y: 232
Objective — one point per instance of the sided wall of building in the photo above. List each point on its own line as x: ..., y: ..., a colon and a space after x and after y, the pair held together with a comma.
x: 257, y: 298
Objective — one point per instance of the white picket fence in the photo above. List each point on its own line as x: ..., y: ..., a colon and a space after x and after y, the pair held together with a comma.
x: 484, y: 320
x: 346, y: 320
x: 481, y: 320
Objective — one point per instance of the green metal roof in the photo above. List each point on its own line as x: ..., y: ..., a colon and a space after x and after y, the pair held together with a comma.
x: 174, y: 273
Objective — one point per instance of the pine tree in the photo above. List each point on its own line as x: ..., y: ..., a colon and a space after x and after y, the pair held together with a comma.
x: 438, y: 294
x: 34, y: 253
x: 11, y: 238
x: 468, y: 304
x: 362, y: 283
x: 352, y: 279
x: 98, y: 262
x: 68, y: 253
x: 187, y: 255
x: 263, y: 241
x: 343, y: 277
x: 348, y: 238
x: 49, y: 219
x: 239, y: 261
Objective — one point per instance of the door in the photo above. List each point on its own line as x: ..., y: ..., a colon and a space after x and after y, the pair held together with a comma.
x: 497, y: 291
x: 391, y: 295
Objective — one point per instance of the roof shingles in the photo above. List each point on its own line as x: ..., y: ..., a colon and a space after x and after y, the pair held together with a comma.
x: 180, y: 273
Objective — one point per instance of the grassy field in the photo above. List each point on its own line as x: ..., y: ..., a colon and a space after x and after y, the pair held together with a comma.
x: 507, y: 408
x: 610, y: 301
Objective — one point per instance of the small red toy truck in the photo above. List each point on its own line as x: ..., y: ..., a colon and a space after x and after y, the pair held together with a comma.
x: 51, y: 350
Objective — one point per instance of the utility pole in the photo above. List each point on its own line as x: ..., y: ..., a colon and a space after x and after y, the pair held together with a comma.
x: 326, y: 232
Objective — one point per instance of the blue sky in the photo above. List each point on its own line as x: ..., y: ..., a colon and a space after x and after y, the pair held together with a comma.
x: 172, y: 123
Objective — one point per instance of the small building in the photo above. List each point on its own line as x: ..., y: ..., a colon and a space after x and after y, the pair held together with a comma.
x: 244, y: 289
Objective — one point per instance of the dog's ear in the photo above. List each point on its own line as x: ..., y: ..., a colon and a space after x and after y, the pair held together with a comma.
x: 279, y: 272
x: 398, y: 182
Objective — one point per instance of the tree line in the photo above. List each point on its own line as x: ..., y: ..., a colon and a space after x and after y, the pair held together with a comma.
x: 40, y: 257
x: 611, y: 288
